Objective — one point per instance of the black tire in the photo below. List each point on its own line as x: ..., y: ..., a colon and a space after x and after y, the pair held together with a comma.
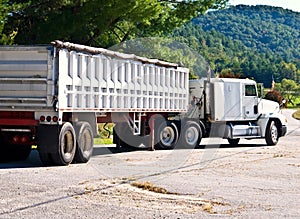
x: 190, y: 136
x: 123, y: 135
x: 66, y: 145
x: 116, y: 138
x: 234, y: 141
x: 272, y: 134
x: 84, y: 142
x: 166, y: 135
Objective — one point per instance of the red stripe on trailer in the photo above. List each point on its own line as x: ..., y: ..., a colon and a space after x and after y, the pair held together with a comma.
x: 17, y: 114
x: 21, y: 122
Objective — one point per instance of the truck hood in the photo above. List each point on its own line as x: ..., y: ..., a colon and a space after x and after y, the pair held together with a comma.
x: 268, y: 106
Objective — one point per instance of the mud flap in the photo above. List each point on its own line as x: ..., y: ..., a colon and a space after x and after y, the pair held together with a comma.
x: 47, y: 138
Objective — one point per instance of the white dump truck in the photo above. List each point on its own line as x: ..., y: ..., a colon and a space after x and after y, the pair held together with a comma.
x: 54, y: 96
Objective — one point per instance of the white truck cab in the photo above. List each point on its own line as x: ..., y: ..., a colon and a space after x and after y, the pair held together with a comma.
x: 234, y: 107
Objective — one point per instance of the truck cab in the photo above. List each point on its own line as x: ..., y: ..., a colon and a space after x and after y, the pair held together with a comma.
x: 234, y: 110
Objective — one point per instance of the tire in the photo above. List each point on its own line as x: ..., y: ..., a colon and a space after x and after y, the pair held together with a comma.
x: 84, y: 142
x: 234, y: 141
x: 66, y: 145
x: 272, y: 134
x: 166, y: 135
x: 190, y: 136
x: 123, y: 135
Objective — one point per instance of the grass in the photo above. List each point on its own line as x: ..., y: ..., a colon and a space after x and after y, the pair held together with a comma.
x: 103, y: 141
x: 105, y: 134
x: 295, y: 101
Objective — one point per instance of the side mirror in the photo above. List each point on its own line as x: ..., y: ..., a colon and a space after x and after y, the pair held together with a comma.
x: 260, y: 89
x: 283, y: 102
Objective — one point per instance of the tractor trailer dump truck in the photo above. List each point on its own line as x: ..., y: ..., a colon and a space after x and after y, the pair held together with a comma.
x: 54, y: 96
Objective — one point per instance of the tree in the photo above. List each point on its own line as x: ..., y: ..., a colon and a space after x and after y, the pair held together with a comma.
x: 99, y: 22
x: 5, y: 8
x: 289, y: 90
x: 166, y: 49
x: 228, y: 73
x: 288, y: 70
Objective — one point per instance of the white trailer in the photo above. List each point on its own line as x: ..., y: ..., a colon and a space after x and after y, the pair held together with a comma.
x: 54, y: 96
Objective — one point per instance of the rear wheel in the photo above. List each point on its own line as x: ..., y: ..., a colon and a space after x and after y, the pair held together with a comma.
x: 121, y: 133
x: 66, y: 145
x: 272, y: 135
x: 124, y: 137
x: 85, y: 142
x: 191, y: 135
x: 167, y: 135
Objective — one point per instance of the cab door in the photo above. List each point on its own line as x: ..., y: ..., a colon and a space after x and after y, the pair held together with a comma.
x: 250, y: 101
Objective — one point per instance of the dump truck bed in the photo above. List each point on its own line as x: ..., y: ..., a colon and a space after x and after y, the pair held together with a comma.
x: 76, y: 78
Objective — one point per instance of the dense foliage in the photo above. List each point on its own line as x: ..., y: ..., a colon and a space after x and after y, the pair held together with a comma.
x: 264, y: 28
x: 95, y: 22
x: 167, y: 49
x: 257, y: 42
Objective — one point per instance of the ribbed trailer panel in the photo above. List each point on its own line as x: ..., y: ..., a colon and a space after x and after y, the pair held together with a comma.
x: 77, y: 78
x: 98, y: 82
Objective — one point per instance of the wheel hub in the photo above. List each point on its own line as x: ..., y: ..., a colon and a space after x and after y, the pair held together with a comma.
x: 167, y: 136
x: 192, y: 135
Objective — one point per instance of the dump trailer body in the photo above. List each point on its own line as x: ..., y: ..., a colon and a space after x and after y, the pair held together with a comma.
x: 77, y: 78
x: 112, y: 83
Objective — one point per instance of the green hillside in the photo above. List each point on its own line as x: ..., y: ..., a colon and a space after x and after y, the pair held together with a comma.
x: 252, y: 41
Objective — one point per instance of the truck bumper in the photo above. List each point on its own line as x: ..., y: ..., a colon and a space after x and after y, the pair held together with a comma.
x: 283, y: 130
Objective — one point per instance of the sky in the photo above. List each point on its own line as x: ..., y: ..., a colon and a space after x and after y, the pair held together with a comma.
x: 293, y: 5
